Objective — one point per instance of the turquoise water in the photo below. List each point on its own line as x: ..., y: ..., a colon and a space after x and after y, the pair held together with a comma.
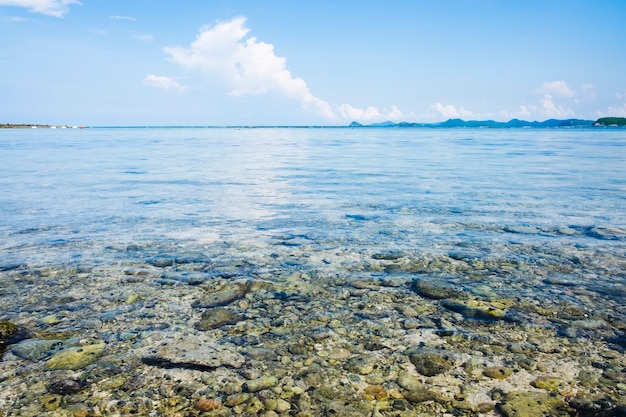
x: 117, y: 235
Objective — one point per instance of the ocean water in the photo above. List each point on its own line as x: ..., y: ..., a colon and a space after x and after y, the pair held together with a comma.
x: 65, y: 194
x: 529, y: 222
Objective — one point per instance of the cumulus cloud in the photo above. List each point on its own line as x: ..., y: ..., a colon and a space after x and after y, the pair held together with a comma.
x: 552, y: 110
x: 166, y: 83
x: 558, y: 88
x: 370, y: 113
x: 450, y: 111
x: 249, y: 66
x: 55, y: 8
x: 619, y: 111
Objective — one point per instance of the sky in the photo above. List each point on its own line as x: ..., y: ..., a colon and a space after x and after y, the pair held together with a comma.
x: 323, y: 62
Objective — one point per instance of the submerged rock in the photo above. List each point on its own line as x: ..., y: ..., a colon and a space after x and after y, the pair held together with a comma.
x: 497, y: 372
x: 435, y: 292
x: 34, y: 348
x: 479, y: 309
x: 223, y: 297
x: 429, y: 364
x: 532, y: 404
x: 75, y: 357
x: 193, y: 352
x: 217, y: 317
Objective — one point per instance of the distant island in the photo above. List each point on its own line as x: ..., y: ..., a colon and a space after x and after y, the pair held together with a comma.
x: 514, y: 123
x: 34, y: 126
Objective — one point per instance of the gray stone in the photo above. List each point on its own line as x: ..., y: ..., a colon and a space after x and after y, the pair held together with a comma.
x: 34, y: 348
x: 193, y: 352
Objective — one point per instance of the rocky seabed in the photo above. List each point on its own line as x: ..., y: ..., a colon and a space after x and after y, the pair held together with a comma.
x: 302, y: 328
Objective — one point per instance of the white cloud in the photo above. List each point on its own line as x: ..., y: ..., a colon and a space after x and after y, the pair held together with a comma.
x: 552, y: 110
x: 144, y: 37
x: 353, y: 113
x: 451, y: 111
x: 166, y: 83
x: 558, y: 88
x: 349, y: 112
x: 248, y: 66
x: 56, y: 8
x: 116, y: 17
x: 617, y: 111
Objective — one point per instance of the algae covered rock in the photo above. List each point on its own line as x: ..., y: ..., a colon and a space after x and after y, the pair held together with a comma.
x: 75, y: 357
x: 497, y: 372
x: 532, y: 404
x: 479, y: 309
x: 549, y: 383
x: 7, y: 329
x: 11, y: 333
x: 429, y: 364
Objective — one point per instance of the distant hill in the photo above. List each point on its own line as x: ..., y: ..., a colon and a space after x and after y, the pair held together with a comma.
x: 514, y: 123
x: 611, y: 121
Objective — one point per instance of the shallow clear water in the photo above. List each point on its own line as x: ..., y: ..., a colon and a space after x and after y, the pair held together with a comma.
x: 64, y: 190
x: 530, y: 221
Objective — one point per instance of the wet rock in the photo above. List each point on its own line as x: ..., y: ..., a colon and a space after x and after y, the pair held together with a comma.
x: 389, y: 255
x: 10, y: 334
x: 609, y: 233
x: 50, y: 402
x: 497, y: 372
x: 478, y: 309
x: 34, y: 348
x: 237, y: 399
x: 75, y: 357
x: 408, y: 381
x: 435, y: 292
x: 7, y: 329
x: 217, y: 317
x: 549, y: 383
x: 429, y: 364
x: 260, y: 384
x: 161, y: 261
x: 65, y: 386
x: 191, y: 352
x: 223, y: 297
x: 206, y: 404
x: 360, y: 366
x: 522, y: 229
x: 532, y: 404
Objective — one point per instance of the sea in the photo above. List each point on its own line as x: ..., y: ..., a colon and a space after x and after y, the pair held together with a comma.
x: 112, y: 235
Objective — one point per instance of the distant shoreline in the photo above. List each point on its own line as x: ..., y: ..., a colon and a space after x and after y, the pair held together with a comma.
x: 451, y: 123
x: 36, y: 126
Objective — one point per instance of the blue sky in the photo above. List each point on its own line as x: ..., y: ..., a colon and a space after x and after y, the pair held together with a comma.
x: 323, y: 62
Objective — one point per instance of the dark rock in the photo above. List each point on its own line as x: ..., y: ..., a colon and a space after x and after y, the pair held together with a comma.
x: 435, y: 292
x: 223, y: 297
x: 65, y: 386
x: 217, y: 317
x: 429, y: 364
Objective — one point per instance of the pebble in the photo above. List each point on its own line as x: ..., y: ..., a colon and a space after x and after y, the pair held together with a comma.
x: 205, y: 405
x: 497, y: 372
x: 260, y: 384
